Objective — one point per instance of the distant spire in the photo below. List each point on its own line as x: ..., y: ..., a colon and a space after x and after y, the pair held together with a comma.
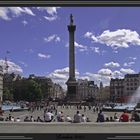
x: 71, y: 19
x: 101, y: 85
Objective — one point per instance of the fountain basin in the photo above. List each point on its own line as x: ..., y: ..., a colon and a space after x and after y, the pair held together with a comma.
x: 121, y: 107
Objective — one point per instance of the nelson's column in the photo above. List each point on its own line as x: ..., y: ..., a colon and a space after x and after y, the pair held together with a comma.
x: 71, y: 83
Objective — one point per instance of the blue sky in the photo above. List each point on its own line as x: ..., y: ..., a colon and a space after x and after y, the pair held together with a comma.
x: 107, y: 41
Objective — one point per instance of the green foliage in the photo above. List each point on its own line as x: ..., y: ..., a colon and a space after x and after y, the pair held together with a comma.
x: 7, y: 95
x: 29, y: 89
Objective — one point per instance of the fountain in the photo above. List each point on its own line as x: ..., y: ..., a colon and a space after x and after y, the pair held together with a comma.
x: 133, y: 102
x: 135, y: 99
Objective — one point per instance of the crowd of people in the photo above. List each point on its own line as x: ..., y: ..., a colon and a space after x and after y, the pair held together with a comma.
x: 51, y: 114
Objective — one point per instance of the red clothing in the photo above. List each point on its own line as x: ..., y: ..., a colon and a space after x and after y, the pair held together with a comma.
x: 124, y: 117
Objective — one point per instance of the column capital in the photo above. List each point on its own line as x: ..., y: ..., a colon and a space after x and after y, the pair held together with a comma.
x: 71, y: 28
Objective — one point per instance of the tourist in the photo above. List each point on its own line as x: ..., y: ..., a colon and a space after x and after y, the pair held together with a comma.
x: 88, y: 120
x: 1, y: 111
x: 116, y: 118
x: 55, y: 111
x: 12, y: 119
x: 94, y: 109
x: 68, y: 119
x: 124, y: 117
x: 77, y: 117
x: 12, y: 110
x: 7, y: 119
x: 97, y: 109
x: 17, y: 120
x: 83, y: 119
x: 111, y: 119
x: 1, y: 114
x: 84, y: 108
x: 31, y: 119
x: 39, y: 119
x: 135, y: 116
x: 100, y: 117
x: 60, y: 117
x: 26, y: 119
x: 48, y: 116
x: 89, y: 107
x: 107, y: 119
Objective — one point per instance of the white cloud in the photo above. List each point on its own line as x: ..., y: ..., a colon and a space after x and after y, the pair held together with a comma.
x: 80, y: 47
x: 52, y: 11
x: 91, y: 36
x: 117, y: 74
x: 104, y: 76
x: 50, y: 18
x: 97, y: 78
x: 127, y: 71
x: 51, y: 38
x: 95, y: 49
x: 129, y: 64
x: 24, y: 22
x: 132, y: 58
x: 60, y: 76
x: 121, y: 38
x: 105, y: 72
x: 5, y: 12
x: 12, y: 67
x: 23, y: 63
x: 44, y: 55
x: 112, y: 65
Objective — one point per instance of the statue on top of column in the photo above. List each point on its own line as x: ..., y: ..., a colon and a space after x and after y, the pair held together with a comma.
x: 71, y: 19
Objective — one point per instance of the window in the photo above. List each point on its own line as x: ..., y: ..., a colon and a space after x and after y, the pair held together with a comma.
x: 135, y: 84
x: 135, y: 79
x: 118, y: 93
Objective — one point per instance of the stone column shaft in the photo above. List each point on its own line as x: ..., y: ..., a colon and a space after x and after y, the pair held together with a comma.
x: 71, y: 29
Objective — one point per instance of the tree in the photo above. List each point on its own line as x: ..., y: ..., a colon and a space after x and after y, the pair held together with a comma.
x: 34, y: 91
x: 7, y: 95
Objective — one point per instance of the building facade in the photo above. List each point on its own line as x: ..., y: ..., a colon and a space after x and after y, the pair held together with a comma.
x: 131, y: 84
x: 122, y: 90
x: 86, y: 89
x: 92, y: 89
x: 58, y: 91
x: 117, y: 90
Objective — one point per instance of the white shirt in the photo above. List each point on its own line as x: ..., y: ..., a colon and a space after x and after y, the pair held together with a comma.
x: 68, y: 119
x: 17, y: 120
x: 48, y: 116
x: 83, y: 119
